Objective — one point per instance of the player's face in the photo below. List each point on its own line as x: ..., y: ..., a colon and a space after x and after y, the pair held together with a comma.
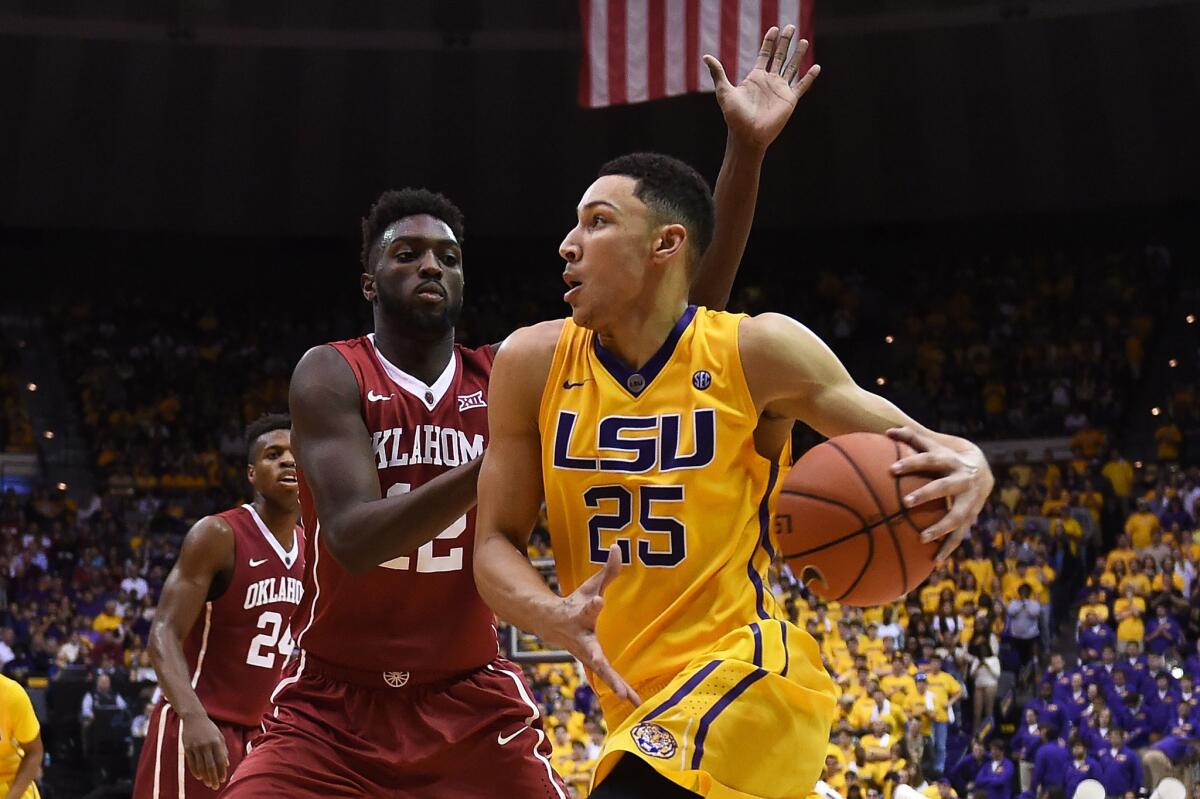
x: 273, y: 470
x: 418, y: 275
x: 607, y: 252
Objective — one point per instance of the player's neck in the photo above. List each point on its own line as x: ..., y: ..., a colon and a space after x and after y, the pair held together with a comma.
x: 423, y: 358
x: 279, y: 520
x: 640, y: 333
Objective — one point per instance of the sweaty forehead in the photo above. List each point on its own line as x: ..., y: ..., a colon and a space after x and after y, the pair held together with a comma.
x: 419, y: 226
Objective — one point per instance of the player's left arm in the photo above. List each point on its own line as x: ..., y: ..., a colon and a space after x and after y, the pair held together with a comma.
x: 755, y: 112
x: 793, y: 374
x: 510, y: 494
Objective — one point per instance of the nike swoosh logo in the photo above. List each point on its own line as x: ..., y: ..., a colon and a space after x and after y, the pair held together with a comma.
x: 502, y: 739
x: 373, y: 397
x: 254, y: 562
x: 569, y: 384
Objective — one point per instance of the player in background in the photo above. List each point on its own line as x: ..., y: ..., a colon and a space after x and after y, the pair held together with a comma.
x: 655, y: 432
x: 221, y: 636
x: 399, y: 689
x: 20, y: 743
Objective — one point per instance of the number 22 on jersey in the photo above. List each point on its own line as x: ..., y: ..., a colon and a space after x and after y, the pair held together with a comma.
x: 427, y: 561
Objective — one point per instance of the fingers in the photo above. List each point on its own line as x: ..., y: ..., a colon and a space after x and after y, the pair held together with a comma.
x: 792, y: 69
x: 952, y: 543
x: 612, y: 567
x: 939, y: 461
x: 222, y: 762
x: 943, y: 488
x: 911, y: 437
x: 804, y: 84
x: 779, y: 57
x: 604, y: 670
x: 208, y: 768
x: 768, y: 48
x: 717, y: 72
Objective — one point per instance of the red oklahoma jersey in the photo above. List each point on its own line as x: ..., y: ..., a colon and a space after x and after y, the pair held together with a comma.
x: 236, y: 649
x: 419, y: 612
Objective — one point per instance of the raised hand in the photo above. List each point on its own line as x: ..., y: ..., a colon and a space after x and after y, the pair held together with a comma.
x: 574, y: 627
x: 758, y: 107
x: 966, y: 481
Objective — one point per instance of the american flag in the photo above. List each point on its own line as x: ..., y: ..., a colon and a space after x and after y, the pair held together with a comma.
x: 637, y: 50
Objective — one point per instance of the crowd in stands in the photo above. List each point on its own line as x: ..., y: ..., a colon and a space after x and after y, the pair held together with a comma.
x: 16, y: 430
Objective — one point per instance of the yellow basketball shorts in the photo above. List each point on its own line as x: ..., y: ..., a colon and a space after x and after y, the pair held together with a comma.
x: 748, y: 719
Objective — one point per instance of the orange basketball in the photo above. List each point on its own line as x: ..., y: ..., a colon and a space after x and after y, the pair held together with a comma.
x: 842, y: 527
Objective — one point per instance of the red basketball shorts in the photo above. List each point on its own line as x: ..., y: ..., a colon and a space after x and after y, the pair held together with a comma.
x: 162, y: 772
x: 474, y: 735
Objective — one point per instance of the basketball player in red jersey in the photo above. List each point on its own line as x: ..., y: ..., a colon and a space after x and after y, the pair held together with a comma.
x: 220, y: 636
x: 399, y: 689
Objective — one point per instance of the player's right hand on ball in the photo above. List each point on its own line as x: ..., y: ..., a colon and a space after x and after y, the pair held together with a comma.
x: 205, y: 752
x: 575, y: 626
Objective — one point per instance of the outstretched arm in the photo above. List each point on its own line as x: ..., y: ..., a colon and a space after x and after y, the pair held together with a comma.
x: 510, y: 493
x: 333, y: 447
x: 794, y: 375
x: 755, y: 111
x: 208, y: 550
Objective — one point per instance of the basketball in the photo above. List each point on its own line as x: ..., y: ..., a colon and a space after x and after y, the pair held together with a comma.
x: 842, y: 526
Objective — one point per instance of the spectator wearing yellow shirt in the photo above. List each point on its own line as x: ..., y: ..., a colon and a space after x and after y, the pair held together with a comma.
x: 1167, y: 578
x: 1129, y: 610
x: 923, y: 705
x: 108, y: 619
x: 1056, y: 500
x: 834, y: 775
x: 879, y: 750
x: 1089, y: 440
x: 1021, y: 471
x: 946, y: 689
x: 1091, y: 498
x: 1140, y: 525
x: 1123, y: 552
x: 1053, y: 476
x: 1119, y: 473
x: 1167, y: 439
x: 1010, y: 494
x: 1136, y: 578
x: 980, y: 566
x: 1095, y: 604
x: 899, y: 683
x: 20, y: 742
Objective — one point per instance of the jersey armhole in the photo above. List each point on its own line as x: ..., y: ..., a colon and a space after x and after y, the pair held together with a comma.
x: 562, y: 347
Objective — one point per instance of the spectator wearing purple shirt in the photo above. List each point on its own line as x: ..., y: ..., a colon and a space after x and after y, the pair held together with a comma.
x: 1082, y: 767
x: 995, y: 778
x: 1120, y: 768
x: 1093, y: 637
x: 1051, y: 765
x: 1162, y: 632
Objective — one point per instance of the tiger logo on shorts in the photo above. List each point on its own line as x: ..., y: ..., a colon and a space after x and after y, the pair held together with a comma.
x: 654, y: 740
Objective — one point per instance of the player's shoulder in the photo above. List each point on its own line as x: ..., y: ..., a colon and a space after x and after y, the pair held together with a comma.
x: 536, y: 342
x: 214, y: 532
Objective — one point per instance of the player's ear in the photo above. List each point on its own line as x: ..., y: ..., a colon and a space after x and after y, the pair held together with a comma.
x: 367, y: 282
x: 670, y: 240
x: 250, y: 472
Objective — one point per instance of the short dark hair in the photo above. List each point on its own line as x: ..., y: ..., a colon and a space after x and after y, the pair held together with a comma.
x: 395, y: 204
x: 267, y: 423
x: 673, y: 190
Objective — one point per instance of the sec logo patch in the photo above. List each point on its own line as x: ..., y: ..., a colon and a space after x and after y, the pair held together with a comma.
x: 654, y: 740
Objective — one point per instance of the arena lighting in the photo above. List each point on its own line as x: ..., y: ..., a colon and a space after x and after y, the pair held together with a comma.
x: 1155, y: 411
x: 881, y: 381
x: 1137, y: 464
x: 32, y: 386
x: 1172, y: 363
x: 1191, y: 320
x: 1177, y: 672
x: 889, y: 339
x: 62, y: 486
x: 49, y: 434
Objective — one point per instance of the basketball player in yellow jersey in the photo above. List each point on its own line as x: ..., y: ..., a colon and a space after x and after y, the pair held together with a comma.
x: 20, y: 743
x: 655, y: 432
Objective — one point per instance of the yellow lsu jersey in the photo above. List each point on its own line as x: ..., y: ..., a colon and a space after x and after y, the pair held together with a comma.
x: 661, y: 461
x: 18, y: 723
